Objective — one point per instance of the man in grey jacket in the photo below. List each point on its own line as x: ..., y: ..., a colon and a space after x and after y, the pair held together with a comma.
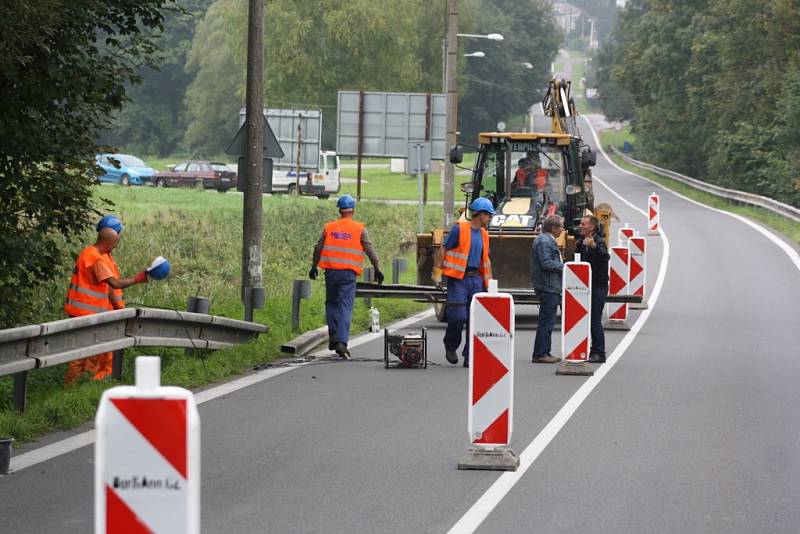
x: 546, y: 271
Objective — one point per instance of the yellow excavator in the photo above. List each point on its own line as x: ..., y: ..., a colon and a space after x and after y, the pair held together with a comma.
x: 527, y: 176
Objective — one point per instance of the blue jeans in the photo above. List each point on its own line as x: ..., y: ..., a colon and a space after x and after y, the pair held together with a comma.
x: 459, y: 297
x: 340, y: 292
x: 548, y: 306
x: 599, y: 294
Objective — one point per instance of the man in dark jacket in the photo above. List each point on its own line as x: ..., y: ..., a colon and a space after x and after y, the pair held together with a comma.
x: 592, y: 247
x: 546, y: 272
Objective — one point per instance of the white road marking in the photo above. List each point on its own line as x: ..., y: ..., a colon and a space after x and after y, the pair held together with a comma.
x: 479, y: 511
x: 64, y: 446
x: 48, y: 452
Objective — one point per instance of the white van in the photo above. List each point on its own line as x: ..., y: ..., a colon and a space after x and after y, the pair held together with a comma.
x: 323, y: 181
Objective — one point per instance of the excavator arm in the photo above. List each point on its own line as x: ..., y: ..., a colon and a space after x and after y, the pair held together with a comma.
x: 559, y: 105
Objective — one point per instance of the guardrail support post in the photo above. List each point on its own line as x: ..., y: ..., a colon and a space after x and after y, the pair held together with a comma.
x: 368, y: 275
x: 254, y: 299
x: 399, y: 265
x: 197, y: 305
x: 20, y: 390
x: 116, y: 364
x: 301, y: 289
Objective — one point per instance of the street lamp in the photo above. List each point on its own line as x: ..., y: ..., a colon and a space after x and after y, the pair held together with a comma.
x: 475, y: 54
x: 451, y: 91
x: 491, y: 36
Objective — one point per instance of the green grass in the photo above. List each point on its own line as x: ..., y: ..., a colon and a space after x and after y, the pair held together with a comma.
x: 201, y: 234
x: 783, y: 225
x: 617, y: 137
x: 383, y: 184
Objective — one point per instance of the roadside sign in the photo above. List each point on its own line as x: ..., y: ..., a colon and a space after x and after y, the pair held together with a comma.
x: 147, y: 457
x: 293, y: 126
x: 419, y: 157
x: 390, y: 121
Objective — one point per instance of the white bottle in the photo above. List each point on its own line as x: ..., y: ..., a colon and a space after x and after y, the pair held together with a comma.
x: 374, y: 320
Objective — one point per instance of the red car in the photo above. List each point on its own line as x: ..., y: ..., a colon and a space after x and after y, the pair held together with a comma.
x: 199, y: 174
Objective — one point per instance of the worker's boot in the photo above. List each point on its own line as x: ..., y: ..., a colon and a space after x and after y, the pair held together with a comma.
x: 451, y: 356
x: 341, y: 350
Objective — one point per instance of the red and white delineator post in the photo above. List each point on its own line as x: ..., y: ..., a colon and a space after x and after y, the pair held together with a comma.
x: 618, y: 276
x: 638, y: 264
x: 653, y: 210
x: 147, y: 457
x: 623, y: 234
x: 490, y: 397
x: 576, y: 318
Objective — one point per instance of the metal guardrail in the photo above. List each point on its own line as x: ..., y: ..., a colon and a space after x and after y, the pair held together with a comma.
x: 439, y: 296
x: 779, y: 208
x: 43, y: 345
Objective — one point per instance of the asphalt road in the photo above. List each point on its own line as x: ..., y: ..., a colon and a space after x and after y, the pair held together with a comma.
x: 693, y: 428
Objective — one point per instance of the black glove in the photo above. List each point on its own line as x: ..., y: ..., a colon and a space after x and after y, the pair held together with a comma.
x: 313, y: 273
x: 379, y: 277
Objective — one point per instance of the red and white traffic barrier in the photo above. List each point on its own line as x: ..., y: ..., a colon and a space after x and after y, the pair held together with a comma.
x: 576, y: 310
x: 623, y: 234
x: 653, y: 209
x: 618, y: 276
x: 638, y: 264
x: 491, y: 370
x: 147, y: 457
x: 491, y: 382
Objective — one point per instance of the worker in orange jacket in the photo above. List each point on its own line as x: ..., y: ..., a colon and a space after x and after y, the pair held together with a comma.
x: 464, y: 259
x: 340, y: 251
x: 96, y: 286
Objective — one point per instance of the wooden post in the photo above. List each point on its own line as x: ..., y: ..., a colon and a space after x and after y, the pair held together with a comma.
x: 360, y: 142
x: 427, y: 138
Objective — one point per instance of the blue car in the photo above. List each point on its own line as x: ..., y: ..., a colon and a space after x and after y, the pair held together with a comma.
x: 123, y: 169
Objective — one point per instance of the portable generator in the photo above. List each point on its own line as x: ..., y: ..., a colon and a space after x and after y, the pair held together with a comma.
x: 410, y: 349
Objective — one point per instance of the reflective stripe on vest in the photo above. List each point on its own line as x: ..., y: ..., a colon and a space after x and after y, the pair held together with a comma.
x: 95, y: 294
x: 455, y: 259
x: 87, y: 307
x: 85, y: 295
x: 341, y: 248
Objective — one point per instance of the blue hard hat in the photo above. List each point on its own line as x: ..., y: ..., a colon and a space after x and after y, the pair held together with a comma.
x: 159, y: 269
x: 346, y: 202
x: 482, y: 204
x: 110, y: 221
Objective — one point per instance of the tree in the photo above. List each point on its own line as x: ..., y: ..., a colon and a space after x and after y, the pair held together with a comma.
x: 713, y: 88
x: 499, y: 85
x: 63, y: 70
x: 152, y: 122
x: 216, y: 93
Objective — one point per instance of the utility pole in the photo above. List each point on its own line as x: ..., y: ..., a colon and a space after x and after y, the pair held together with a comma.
x: 451, y: 85
x: 252, y: 279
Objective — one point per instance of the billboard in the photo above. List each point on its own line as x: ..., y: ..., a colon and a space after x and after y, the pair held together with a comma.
x: 390, y: 122
x: 284, y: 123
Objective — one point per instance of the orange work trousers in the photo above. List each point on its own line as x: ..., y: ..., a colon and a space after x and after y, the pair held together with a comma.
x: 98, y: 366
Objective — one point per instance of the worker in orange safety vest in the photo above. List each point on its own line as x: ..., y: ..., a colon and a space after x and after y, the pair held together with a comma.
x: 95, y: 287
x: 340, y: 251
x: 464, y: 259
